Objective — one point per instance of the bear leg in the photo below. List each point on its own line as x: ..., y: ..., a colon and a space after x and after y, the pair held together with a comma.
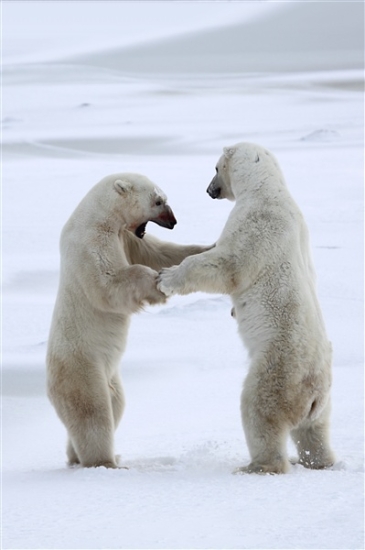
x: 267, y: 450
x: 93, y: 436
x: 86, y: 411
x: 311, y: 438
x: 266, y: 434
x: 93, y: 441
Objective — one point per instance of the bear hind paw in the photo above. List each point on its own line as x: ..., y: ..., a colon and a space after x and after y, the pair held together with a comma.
x: 263, y: 469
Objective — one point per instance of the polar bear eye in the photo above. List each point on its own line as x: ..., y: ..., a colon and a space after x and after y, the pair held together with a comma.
x: 158, y: 203
x: 216, y: 169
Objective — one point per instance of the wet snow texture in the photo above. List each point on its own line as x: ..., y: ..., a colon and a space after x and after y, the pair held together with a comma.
x: 65, y: 125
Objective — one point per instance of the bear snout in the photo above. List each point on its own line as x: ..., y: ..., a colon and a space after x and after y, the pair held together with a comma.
x: 214, y: 188
x: 166, y: 218
x: 213, y: 191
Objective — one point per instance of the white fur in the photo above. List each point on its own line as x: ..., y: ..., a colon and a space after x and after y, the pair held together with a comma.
x: 262, y: 260
x: 107, y: 273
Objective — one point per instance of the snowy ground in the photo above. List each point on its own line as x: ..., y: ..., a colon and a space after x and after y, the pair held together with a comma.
x: 67, y: 124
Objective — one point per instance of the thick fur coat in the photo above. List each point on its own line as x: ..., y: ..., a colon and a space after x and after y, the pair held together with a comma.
x: 262, y: 260
x: 108, y: 272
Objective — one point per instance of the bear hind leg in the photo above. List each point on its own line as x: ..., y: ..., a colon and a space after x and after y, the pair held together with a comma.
x: 267, y: 450
x: 93, y: 441
x: 88, y: 416
x: 311, y: 438
x: 265, y: 437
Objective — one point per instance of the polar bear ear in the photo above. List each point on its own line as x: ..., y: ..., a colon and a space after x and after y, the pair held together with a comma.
x: 122, y: 186
x: 229, y: 152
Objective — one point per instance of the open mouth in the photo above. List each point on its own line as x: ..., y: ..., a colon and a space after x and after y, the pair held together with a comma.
x: 141, y: 230
x: 165, y: 219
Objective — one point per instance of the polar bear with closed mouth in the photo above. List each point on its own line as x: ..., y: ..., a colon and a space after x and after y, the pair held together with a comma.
x: 262, y: 260
x: 108, y: 272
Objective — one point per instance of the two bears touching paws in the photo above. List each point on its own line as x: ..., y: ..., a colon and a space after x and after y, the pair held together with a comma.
x: 110, y: 268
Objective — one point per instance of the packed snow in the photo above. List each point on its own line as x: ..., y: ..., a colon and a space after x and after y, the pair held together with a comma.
x: 69, y: 117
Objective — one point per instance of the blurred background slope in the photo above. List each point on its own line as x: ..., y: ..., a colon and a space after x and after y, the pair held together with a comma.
x: 294, y: 37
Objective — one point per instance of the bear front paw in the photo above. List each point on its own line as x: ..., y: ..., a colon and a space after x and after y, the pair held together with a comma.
x: 154, y: 295
x: 157, y: 297
x: 164, y: 281
x: 165, y: 289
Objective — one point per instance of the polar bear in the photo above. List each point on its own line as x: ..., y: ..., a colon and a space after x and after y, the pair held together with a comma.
x: 108, y: 271
x: 262, y: 260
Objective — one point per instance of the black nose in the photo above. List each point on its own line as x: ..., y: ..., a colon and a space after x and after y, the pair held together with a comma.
x: 214, y: 192
x: 171, y: 224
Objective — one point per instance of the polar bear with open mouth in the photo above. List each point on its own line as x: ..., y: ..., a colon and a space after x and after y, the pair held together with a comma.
x: 109, y: 270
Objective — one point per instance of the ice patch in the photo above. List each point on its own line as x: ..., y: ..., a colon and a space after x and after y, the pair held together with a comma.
x: 322, y: 135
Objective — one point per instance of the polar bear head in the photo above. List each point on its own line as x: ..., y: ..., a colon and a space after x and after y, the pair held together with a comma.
x: 138, y: 201
x: 237, y: 166
x: 125, y: 201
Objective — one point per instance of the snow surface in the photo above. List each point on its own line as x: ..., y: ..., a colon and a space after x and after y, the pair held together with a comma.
x: 67, y: 124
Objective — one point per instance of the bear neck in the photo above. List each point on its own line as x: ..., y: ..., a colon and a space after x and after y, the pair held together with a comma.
x: 108, y: 215
x: 255, y: 182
